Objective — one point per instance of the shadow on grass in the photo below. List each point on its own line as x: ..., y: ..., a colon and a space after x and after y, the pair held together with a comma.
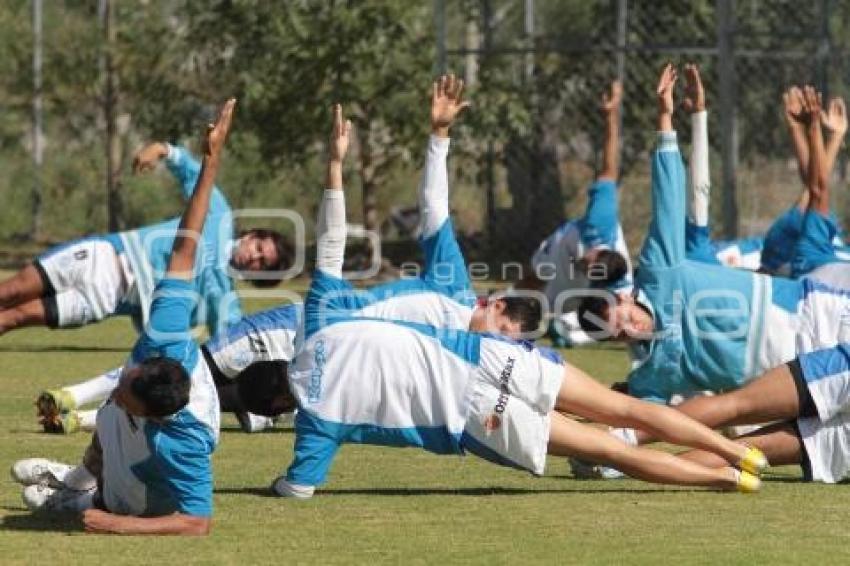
x: 468, y: 491
x: 64, y: 523
x: 235, y: 429
x: 38, y: 348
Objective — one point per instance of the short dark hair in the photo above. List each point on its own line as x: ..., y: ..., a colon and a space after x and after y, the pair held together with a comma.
x: 263, y: 388
x: 614, y: 265
x: 525, y: 310
x: 163, y: 386
x: 592, y: 309
x: 285, y: 253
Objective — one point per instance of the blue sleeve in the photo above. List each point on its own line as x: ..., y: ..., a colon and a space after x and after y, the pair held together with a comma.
x: 330, y: 298
x: 314, y: 452
x: 781, y: 239
x: 168, y: 332
x: 814, y: 247
x: 444, y: 262
x: 665, y: 241
x: 647, y: 385
x: 698, y: 244
x: 186, y: 169
x: 184, y: 463
x: 220, y: 317
x: 601, y: 218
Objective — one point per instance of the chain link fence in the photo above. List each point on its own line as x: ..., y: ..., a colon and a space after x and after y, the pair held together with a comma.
x: 536, y: 70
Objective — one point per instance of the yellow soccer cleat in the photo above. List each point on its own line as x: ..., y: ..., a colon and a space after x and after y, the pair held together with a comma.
x: 50, y: 406
x: 754, y: 461
x: 748, y: 483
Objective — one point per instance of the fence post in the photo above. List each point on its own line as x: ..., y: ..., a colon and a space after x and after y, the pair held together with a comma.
x: 440, y: 25
x: 728, y: 119
x: 37, y: 129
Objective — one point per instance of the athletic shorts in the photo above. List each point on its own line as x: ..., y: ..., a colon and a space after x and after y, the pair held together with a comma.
x: 85, y: 281
x: 508, y: 423
x: 823, y: 344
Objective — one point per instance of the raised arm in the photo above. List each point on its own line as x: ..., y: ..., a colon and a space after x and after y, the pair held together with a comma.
x: 446, y: 104
x: 182, y: 261
x: 835, y: 121
x: 330, y: 224
x: 792, y: 100
x: 610, y: 107
x: 817, y: 179
x: 700, y: 178
x: 665, y: 241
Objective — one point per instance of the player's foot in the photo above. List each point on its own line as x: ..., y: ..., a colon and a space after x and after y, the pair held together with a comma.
x: 45, y: 499
x: 747, y: 482
x: 586, y: 471
x: 50, y: 405
x: 250, y: 422
x: 754, y: 461
x: 33, y: 471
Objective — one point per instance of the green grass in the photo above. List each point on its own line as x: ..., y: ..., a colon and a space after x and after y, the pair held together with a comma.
x: 385, y: 505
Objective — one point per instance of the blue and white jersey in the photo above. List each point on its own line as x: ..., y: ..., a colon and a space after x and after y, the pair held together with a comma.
x: 781, y: 240
x: 162, y: 466
x: 148, y: 250
x: 442, y: 296
x: 554, y: 260
x: 393, y: 383
x: 715, y: 327
x: 743, y: 253
x: 265, y: 336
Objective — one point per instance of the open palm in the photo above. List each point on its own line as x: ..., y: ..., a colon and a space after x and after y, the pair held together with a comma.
x: 446, y: 101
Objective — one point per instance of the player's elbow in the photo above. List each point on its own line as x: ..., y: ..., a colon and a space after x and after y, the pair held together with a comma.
x: 196, y: 526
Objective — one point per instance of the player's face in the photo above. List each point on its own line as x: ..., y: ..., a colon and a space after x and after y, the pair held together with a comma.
x: 492, y: 318
x: 628, y: 320
x: 123, y: 396
x: 254, y: 254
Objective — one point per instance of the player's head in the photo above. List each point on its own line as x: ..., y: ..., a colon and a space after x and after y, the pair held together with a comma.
x: 263, y: 389
x: 603, y: 267
x: 157, y: 387
x: 616, y: 316
x: 504, y: 313
x: 261, y: 250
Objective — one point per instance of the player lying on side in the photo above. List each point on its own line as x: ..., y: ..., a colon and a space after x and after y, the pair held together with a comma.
x: 588, y: 252
x: 248, y: 363
x: 84, y: 281
x: 782, y: 236
x: 148, y: 469
x: 744, y: 253
x: 398, y: 383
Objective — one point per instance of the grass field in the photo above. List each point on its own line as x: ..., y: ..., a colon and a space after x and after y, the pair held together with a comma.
x: 384, y: 505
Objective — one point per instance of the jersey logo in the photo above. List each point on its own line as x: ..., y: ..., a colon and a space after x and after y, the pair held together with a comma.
x: 314, y: 387
x: 257, y: 344
x: 81, y: 255
x: 494, y: 419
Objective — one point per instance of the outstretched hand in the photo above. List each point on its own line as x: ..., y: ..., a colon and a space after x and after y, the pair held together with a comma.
x: 694, y: 93
x: 834, y: 118
x: 446, y: 103
x: 811, y: 106
x: 612, y: 97
x: 340, y: 136
x: 217, y: 133
x: 792, y: 100
x: 146, y: 158
x: 665, y: 89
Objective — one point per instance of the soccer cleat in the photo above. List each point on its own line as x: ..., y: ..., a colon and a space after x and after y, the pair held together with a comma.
x: 754, y: 461
x: 586, y: 471
x: 40, y: 471
x: 250, y: 422
x: 69, y: 422
x: 46, y: 499
x: 50, y: 405
x: 747, y: 482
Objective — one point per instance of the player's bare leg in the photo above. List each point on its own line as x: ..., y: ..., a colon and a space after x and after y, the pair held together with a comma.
x: 779, y: 442
x: 570, y: 438
x: 28, y: 314
x: 26, y: 285
x: 583, y: 396
x: 771, y: 397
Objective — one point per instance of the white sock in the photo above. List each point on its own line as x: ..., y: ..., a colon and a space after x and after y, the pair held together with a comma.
x: 88, y: 419
x: 627, y: 435
x: 95, y: 389
x: 80, y: 479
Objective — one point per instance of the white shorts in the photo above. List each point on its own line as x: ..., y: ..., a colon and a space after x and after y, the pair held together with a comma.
x: 823, y: 346
x: 87, y: 281
x: 508, y: 422
x: 836, y: 274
